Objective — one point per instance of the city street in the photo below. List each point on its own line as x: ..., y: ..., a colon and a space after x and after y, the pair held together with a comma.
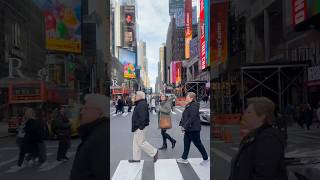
x: 166, y: 167
x: 53, y: 170
x: 301, y: 143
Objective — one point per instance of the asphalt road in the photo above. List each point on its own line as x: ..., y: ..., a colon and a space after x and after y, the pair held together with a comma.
x: 301, y: 143
x: 166, y: 167
x: 52, y: 171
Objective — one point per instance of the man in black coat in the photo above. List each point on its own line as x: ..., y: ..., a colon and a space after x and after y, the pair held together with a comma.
x: 140, y: 122
x: 91, y: 160
x: 63, y: 130
x: 261, y: 152
x: 191, y: 127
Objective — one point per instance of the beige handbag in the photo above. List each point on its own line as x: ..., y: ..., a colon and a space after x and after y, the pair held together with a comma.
x: 165, y: 122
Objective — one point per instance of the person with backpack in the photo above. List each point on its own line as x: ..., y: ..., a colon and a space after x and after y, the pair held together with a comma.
x: 261, y: 151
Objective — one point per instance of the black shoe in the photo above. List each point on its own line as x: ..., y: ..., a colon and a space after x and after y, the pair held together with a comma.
x: 155, y: 158
x: 66, y: 158
x: 133, y: 161
x: 163, y: 148
x: 174, y: 143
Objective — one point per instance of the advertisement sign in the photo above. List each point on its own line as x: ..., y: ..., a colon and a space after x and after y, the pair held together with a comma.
x: 62, y: 24
x: 194, y: 15
x: 207, y: 30
x: 219, y: 34
x: 128, y: 60
x: 176, y: 72
x: 128, y: 24
x: 202, y: 55
x: 188, y: 27
x: 194, y: 47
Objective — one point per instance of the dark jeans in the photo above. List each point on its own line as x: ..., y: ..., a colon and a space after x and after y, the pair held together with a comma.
x: 195, y: 138
x: 153, y: 108
x: 120, y: 108
x: 64, y: 145
x: 27, y: 147
x: 42, y: 152
x: 129, y: 109
x: 166, y: 136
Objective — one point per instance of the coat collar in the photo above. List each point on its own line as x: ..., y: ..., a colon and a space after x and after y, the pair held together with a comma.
x: 86, y: 129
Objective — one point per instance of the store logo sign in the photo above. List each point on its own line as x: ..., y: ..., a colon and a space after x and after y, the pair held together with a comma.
x: 15, y: 69
x: 115, y: 83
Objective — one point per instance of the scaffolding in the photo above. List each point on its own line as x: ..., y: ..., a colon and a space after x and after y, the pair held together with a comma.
x: 198, y: 87
x: 277, y: 80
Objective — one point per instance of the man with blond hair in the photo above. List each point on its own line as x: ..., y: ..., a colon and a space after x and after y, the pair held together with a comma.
x: 91, y: 161
x: 140, y: 122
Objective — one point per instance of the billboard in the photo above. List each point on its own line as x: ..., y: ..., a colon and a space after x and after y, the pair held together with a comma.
x: 207, y: 29
x: 303, y: 10
x: 128, y: 60
x: 194, y: 15
x: 128, y: 24
x: 188, y: 27
x: 219, y: 34
x: 176, y: 67
x: 202, y: 55
x: 62, y: 24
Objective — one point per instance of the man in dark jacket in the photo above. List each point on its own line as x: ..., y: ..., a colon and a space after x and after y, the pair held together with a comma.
x: 63, y: 130
x: 261, y: 152
x: 191, y: 127
x: 140, y: 122
x: 91, y: 160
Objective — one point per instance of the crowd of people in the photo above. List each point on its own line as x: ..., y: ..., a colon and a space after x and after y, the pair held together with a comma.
x: 190, y: 127
x: 32, y: 132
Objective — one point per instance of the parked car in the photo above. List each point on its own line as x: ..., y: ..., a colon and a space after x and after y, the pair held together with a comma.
x: 205, y: 116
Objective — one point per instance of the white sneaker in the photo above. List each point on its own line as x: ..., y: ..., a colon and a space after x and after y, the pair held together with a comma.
x: 182, y: 161
x: 205, y: 162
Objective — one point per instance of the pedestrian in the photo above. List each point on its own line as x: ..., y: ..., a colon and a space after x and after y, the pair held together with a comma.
x: 41, y: 146
x: 30, y: 139
x: 153, y: 105
x: 63, y: 129
x: 173, y: 102
x: 140, y: 123
x: 129, y: 104
x: 255, y: 159
x: 165, y: 111
x: 318, y: 114
x: 91, y: 160
x: 191, y: 127
x: 308, y: 116
x: 21, y: 132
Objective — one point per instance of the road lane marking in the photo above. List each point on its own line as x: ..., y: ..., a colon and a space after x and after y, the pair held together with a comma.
x: 202, y: 171
x: 173, y: 112
x: 179, y: 110
x: 8, y: 161
x: 222, y: 154
x: 167, y: 169
x: 128, y: 171
x: 235, y: 148
x: 54, y: 164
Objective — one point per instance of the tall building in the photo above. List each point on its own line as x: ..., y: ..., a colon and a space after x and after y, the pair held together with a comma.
x: 161, y: 66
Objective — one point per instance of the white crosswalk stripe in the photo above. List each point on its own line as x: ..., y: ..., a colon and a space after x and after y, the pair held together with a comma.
x: 164, y: 169
x: 45, y: 167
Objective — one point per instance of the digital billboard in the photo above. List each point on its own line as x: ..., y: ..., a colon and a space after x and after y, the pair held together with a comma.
x: 128, y: 24
x: 202, y: 50
x: 194, y: 49
x: 62, y: 24
x: 179, y: 16
x: 174, y: 4
x: 207, y: 29
x: 128, y: 60
x: 219, y: 32
x: 188, y: 27
x: 176, y: 67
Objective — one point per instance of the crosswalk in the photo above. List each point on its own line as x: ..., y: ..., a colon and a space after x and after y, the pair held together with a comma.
x: 175, y: 111
x: 163, y: 169
x: 10, y: 165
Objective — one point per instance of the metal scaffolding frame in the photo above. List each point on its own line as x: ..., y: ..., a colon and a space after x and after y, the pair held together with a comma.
x: 199, y: 87
x: 276, y: 70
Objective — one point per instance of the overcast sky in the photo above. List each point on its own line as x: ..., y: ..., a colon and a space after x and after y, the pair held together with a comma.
x: 153, y: 20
